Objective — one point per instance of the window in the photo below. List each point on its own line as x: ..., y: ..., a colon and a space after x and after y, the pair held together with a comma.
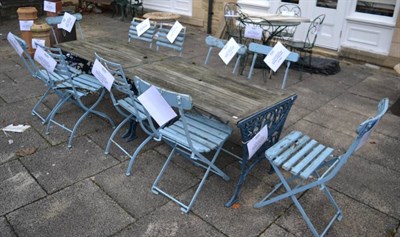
x: 327, y: 3
x: 376, y: 7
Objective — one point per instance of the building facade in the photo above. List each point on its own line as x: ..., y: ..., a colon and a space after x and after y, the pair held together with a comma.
x: 367, y: 30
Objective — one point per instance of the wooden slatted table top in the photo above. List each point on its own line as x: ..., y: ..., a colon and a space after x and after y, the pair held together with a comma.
x: 112, y: 49
x: 218, y: 95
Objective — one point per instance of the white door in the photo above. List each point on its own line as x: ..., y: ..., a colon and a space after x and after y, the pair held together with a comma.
x: 334, y: 10
x: 183, y: 7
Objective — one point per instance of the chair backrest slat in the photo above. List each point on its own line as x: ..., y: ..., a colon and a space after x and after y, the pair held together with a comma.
x: 162, y: 39
x: 265, y: 49
x: 147, y: 36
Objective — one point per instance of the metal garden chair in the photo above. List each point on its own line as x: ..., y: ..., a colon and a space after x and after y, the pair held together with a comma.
x: 264, y: 49
x: 220, y: 43
x: 233, y: 27
x: 48, y: 78
x: 147, y: 36
x: 288, y: 32
x: 305, y: 47
x: 191, y: 135
x: 55, y: 20
x: 72, y: 88
x: 306, y: 159
x: 129, y: 107
x: 134, y: 5
x: 163, y: 41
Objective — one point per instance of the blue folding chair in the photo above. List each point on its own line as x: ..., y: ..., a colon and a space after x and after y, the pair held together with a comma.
x: 191, y: 135
x: 129, y: 107
x: 163, y: 41
x: 46, y: 77
x: 147, y: 36
x: 312, y: 164
x: 72, y: 87
x: 264, y: 49
x: 214, y: 42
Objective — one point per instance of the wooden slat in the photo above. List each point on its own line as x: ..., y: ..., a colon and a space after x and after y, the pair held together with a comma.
x: 293, y: 148
x: 293, y: 160
x: 309, y: 158
x: 314, y: 165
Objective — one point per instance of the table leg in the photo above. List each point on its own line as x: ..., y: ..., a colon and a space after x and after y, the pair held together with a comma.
x: 274, y: 117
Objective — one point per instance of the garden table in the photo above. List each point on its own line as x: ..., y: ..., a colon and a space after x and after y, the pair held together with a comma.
x: 246, y: 108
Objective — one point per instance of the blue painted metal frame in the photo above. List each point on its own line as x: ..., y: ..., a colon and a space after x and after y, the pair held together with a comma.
x: 275, y: 117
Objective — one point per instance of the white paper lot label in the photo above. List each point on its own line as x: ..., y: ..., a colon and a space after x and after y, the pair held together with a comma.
x: 174, y: 31
x: 257, y: 141
x: 143, y: 27
x: 228, y: 51
x: 276, y: 56
x: 14, y: 43
x: 45, y: 59
x: 157, y: 106
x: 49, y: 6
x: 67, y: 22
x: 253, y: 32
x: 103, y: 75
x: 25, y: 25
x: 35, y: 41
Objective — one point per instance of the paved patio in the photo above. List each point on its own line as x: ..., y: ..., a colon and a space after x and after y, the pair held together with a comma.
x: 49, y: 190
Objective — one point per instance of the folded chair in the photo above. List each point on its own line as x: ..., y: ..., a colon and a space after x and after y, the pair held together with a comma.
x: 312, y: 164
x: 220, y: 43
x: 264, y: 50
x: 147, y: 36
x: 191, y: 135
x: 129, y: 107
x: 46, y: 77
x: 73, y: 88
x: 163, y: 41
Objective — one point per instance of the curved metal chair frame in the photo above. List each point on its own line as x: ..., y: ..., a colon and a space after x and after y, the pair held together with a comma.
x: 129, y: 107
x: 307, y: 45
x: 288, y: 32
x: 220, y: 43
x: 312, y: 164
x: 190, y: 135
x: 134, y: 5
x: 72, y: 87
x: 233, y: 27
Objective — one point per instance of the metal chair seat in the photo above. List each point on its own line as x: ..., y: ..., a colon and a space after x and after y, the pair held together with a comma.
x: 205, y: 134
x: 311, y: 165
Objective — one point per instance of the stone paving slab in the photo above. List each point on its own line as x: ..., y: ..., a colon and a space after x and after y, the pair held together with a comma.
x: 358, y: 219
x: 371, y: 184
x: 378, y: 86
x: 170, y: 221
x: 224, y: 159
x: 58, y: 167
x: 310, y: 99
x: 102, y: 136
x: 355, y: 103
x: 5, y: 228
x: 18, y: 187
x: 241, y: 219
x: 350, y: 74
x: 337, y: 119
x: 277, y: 231
x: 79, y: 210
x: 133, y: 193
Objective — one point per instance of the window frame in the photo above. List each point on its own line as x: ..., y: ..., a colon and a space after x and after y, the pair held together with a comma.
x: 368, y: 17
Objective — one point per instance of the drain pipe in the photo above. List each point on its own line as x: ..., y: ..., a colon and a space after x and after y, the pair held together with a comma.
x: 210, y: 13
